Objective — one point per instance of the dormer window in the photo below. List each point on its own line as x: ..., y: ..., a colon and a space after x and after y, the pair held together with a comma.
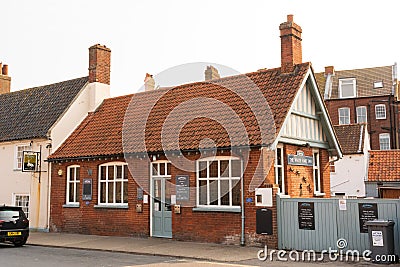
x: 378, y: 84
x: 347, y: 88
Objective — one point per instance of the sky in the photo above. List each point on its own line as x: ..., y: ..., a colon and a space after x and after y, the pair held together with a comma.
x: 44, y: 42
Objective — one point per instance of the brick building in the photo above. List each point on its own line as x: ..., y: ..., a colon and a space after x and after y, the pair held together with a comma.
x: 196, y: 161
x: 364, y: 96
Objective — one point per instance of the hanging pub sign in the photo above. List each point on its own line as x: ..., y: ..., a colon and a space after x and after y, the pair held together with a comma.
x: 300, y: 159
x: 182, y: 187
x: 306, y: 216
x: 30, y: 161
x: 366, y: 212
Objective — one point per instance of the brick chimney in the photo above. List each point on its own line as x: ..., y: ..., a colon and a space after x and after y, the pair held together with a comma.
x: 329, y: 70
x: 5, y: 80
x: 291, y: 52
x: 211, y: 73
x: 99, y: 64
x: 149, y: 83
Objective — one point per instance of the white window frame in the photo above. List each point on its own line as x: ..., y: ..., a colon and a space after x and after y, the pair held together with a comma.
x: 281, y: 168
x: 359, y: 111
x: 230, y: 178
x: 25, y: 207
x: 384, y: 145
x: 19, y: 155
x: 317, y: 173
x: 74, y: 183
x: 341, y: 115
x: 114, y: 180
x: 381, y: 113
x: 347, y: 81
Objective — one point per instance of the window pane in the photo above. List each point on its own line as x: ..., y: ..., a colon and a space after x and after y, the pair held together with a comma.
x: 316, y: 159
x: 103, y: 170
x: 155, y: 170
x: 225, y: 192
x: 347, y: 90
x: 103, y: 193
x: 316, y: 175
x: 110, y: 172
x: 118, y: 191
x: 77, y: 173
x: 125, y: 192
x: 213, y: 169
x: 126, y: 171
x: 235, y: 192
x: 76, y: 192
x: 203, y: 192
x: 361, y: 114
x: 203, y: 169
x: 236, y: 168
x: 111, y: 192
x: 279, y: 178
x: 71, y: 174
x: 162, y: 169
x: 119, y: 172
x: 168, y: 168
x: 384, y: 141
x: 213, y: 192
x: 224, y: 168
x: 279, y: 156
x: 71, y: 192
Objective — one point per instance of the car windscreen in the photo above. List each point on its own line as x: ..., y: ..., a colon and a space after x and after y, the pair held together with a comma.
x: 9, y: 215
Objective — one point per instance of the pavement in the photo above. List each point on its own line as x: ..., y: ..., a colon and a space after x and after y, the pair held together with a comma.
x: 146, y: 246
x: 225, y: 255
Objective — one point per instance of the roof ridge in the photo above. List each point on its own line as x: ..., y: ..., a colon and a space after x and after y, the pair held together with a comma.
x: 41, y: 86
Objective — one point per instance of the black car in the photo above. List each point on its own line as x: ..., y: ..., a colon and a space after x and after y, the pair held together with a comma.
x: 14, y: 226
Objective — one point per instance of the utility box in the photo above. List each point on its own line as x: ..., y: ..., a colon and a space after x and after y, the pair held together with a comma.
x: 264, y: 221
x: 381, y: 241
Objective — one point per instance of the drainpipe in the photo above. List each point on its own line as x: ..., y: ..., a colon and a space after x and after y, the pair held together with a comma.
x: 242, y: 237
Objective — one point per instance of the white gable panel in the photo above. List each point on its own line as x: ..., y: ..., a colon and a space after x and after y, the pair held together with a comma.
x: 304, y: 122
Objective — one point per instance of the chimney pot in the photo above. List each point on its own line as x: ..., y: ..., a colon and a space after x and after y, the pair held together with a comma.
x: 290, y: 18
x: 211, y: 73
x: 5, y: 69
x: 5, y: 80
x: 329, y: 70
x: 149, y: 82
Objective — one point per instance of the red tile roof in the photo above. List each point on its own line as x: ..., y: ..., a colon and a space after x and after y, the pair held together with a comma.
x: 163, y: 120
x: 384, y: 165
x: 351, y: 138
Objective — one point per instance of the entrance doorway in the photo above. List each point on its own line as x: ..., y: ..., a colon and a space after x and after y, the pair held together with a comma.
x: 161, y: 218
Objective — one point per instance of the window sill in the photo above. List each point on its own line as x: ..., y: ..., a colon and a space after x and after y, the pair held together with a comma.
x: 217, y: 209
x: 71, y: 205
x: 319, y: 194
x: 108, y: 206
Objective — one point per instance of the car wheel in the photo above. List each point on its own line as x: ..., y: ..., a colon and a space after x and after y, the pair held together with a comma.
x: 20, y: 242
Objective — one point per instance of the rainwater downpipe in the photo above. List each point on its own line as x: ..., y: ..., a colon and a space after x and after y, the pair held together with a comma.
x: 242, y: 237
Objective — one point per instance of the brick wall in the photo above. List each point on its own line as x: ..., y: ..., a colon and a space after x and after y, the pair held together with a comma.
x: 375, y: 127
x: 99, y: 64
x: 90, y: 220
x: 217, y: 227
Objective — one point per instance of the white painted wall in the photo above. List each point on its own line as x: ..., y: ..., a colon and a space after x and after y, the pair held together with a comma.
x: 349, y: 176
x: 91, y: 96
x: 351, y: 172
x: 15, y: 181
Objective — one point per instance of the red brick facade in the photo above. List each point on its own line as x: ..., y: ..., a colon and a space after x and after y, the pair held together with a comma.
x: 375, y: 126
x: 204, y: 226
